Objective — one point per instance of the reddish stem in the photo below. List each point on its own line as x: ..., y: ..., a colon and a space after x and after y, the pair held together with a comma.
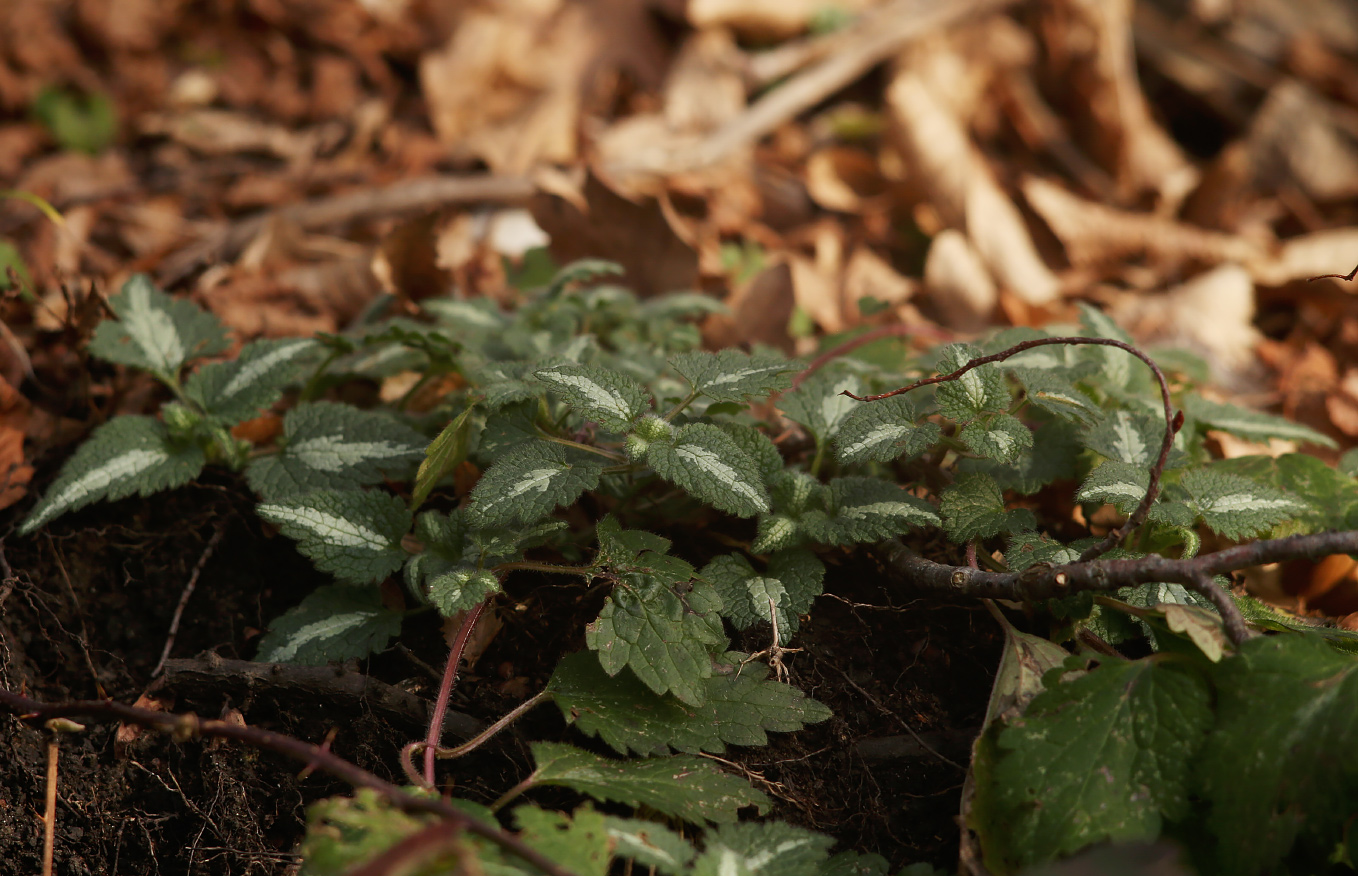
x: 435, y: 737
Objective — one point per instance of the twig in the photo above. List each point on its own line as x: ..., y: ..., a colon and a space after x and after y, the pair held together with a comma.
x: 49, y: 816
x: 184, y: 597
x: 895, y: 330
x: 435, y: 737
x: 190, y: 726
x: 925, y: 577
x: 877, y: 38
x: 1173, y: 422
x: 899, y: 720
x: 1347, y: 278
x: 425, y: 193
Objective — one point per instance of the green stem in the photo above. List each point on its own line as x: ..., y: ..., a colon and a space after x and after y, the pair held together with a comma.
x: 589, y: 448
x: 669, y: 418
x: 818, y: 459
x: 487, y: 734
x: 550, y: 568
x: 313, y: 384
x: 514, y: 792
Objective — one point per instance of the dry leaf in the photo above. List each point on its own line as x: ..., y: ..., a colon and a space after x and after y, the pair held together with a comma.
x: 958, y: 284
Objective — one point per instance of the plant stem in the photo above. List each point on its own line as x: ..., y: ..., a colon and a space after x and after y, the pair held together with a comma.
x: 487, y: 734
x: 508, y: 796
x: 589, y: 448
x: 435, y: 736
x: 549, y: 568
x: 680, y: 407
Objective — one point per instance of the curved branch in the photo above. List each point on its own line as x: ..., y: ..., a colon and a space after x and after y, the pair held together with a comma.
x: 1173, y: 422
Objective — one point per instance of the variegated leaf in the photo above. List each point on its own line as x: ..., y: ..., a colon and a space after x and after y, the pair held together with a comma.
x: 155, y: 332
x: 709, y: 464
x: 529, y: 481
x: 611, y: 399
x: 352, y: 534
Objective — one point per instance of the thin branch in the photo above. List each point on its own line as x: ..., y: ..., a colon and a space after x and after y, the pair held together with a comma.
x: 190, y: 726
x: 184, y: 597
x: 490, y: 732
x: 895, y: 330
x: 455, y: 653
x: 1173, y: 422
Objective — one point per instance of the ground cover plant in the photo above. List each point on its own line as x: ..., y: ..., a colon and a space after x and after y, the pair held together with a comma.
x: 583, y: 438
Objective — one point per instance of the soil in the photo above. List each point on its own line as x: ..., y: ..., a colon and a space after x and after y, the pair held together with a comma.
x: 86, y: 604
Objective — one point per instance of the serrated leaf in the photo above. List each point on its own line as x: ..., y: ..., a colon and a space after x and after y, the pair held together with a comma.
x: 732, y: 375
x: 342, y: 831
x: 1124, y: 436
x: 757, y: 446
x: 461, y: 589
x: 739, y: 709
x: 333, y: 446
x: 663, y: 631
x: 792, y: 582
x: 774, y: 848
x: 354, y: 535
x: 1104, y: 757
x: 973, y: 507
x: 124, y: 456
x: 1001, y: 437
x: 820, y: 405
x: 709, y: 464
x: 867, y: 509
x: 529, y: 481
x: 578, y: 842
x: 609, y: 398
x: 1253, y: 425
x: 1120, y: 484
x: 1115, y: 366
x: 335, y: 623
x: 980, y: 390
x: 1279, y: 768
x: 649, y: 844
x: 1057, y: 395
x: 231, y: 392
x: 1235, y: 506
x: 155, y: 332
x: 679, y: 786
x: 445, y: 453
x: 882, y: 431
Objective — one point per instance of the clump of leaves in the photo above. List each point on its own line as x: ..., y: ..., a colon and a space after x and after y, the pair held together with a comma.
x: 587, y: 397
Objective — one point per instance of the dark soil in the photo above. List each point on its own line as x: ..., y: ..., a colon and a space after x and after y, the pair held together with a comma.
x: 85, y: 607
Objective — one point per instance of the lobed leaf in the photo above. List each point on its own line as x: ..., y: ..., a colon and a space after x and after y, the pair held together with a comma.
x: 155, y: 332
x: 883, y: 431
x: 680, y: 786
x: 609, y: 398
x: 529, y: 481
x: 739, y: 708
x: 733, y: 376
x: 326, y: 445
x: 334, y: 624
x: 125, y: 455
x: 352, y: 534
x: 712, y: 467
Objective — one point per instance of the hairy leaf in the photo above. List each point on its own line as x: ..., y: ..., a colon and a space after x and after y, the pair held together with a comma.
x: 335, y: 623
x: 973, y: 507
x: 1235, y: 506
x: 579, y: 842
x: 649, y: 844
x: 529, y: 481
x: 883, y: 431
x: 155, y: 332
x: 1057, y: 396
x: 665, y: 635
x: 1246, y: 423
x: 731, y: 375
x: 461, y: 589
x: 1279, y: 767
x: 867, y: 509
x: 740, y: 707
x: 1120, y: 484
x: 124, y: 456
x: 820, y: 405
x: 791, y: 582
x: 709, y: 464
x: 1001, y: 437
x: 757, y: 446
x: 326, y: 445
x: 1127, y: 437
x: 1103, y: 757
x: 680, y: 786
x: 238, y: 390
x: 611, y: 399
x: 772, y: 848
x: 354, y: 535
x: 979, y: 391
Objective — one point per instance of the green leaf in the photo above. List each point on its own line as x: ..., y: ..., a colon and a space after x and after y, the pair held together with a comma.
x: 529, y: 481
x: 819, y: 403
x: 882, y: 431
x: 237, y: 390
x: 580, y: 271
x: 1057, y: 396
x: 792, y: 582
x: 461, y: 589
x: 973, y: 507
x: 1253, y: 425
x: 1279, y: 768
x: 1128, y: 437
x: 83, y: 122
x: 757, y: 446
x: 345, y: 831
x: 709, y: 464
x: 124, y: 456
x: 1115, y: 366
x: 1104, y: 757
x: 851, y: 863
x: 335, y: 623
x: 155, y: 332
x: 1001, y: 437
x: 868, y: 509
x: 774, y: 848
x: 664, y: 631
x: 333, y: 446
x: 611, y: 399
x: 1120, y: 484
x: 354, y: 535
x: 680, y: 786
x: 649, y: 844
x: 979, y: 391
x: 741, y: 707
x: 731, y: 375
x: 445, y: 453
x: 1235, y: 506
x: 579, y: 842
